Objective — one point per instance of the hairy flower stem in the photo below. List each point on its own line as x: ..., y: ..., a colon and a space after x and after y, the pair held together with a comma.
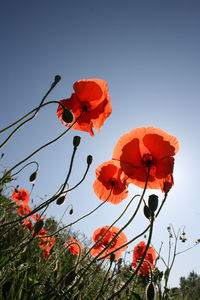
x: 27, y: 120
x: 104, y: 280
x: 140, y: 264
x: 53, y: 198
x: 42, y: 147
x: 86, y: 215
x: 32, y: 111
x: 108, y: 245
x: 164, y: 199
x: 95, y: 258
x: 32, y: 162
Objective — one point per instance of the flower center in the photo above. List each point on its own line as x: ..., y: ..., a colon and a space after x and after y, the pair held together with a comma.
x: 85, y: 106
x: 113, y: 181
x: 148, y: 160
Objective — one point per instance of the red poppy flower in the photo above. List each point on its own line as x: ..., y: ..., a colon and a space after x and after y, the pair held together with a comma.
x: 46, y: 254
x: 150, y: 257
x: 21, y: 197
x: 74, y: 248
x: 28, y: 224
x: 118, y: 242
x: 91, y: 96
x: 24, y: 210
x: 42, y: 233
x: 146, y: 147
x: 110, y: 176
x: 46, y: 244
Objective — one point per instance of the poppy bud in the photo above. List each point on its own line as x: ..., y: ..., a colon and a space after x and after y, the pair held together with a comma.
x: 57, y: 78
x: 153, y: 202
x: 147, y: 212
x: 70, y: 277
x: 112, y: 257
x: 38, y: 226
x: 71, y: 211
x: 67, y: 116
x: 33, y: 177
x: 89, y: 159
x: 150, y: 291
x: 61, y: 200
x: 76, y: 140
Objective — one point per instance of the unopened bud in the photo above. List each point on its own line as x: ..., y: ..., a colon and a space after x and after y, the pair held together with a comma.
x: 61, y: 200
x: 89, y: 159
x: 57, y: 78
x: 150, y: 291
x: 71, y: 211
x: 67, y: 116
x: 76, y: 141
x: 33, y: 177
x: 147, y: 212
x: 153, y: 202
x: 38, y: 226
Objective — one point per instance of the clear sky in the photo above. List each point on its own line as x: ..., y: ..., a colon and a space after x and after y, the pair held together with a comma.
x: 149, y: 54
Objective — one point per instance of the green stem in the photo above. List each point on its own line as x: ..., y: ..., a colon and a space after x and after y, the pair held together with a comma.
x: 56, y: 80
x: 32, y: 162
x: 138, y: 267
x: 104, y: 280
x: 42, y: 147
x: 27, y: 120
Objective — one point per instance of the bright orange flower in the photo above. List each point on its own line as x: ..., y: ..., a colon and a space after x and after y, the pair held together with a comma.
x: 146, y: 147
x: 46, y: 244
x: 24, y: 210
x: 91, y: 96
x: 27, y: 223
x: 118, y: 242
x: 46, y: 254
x: 150, y: 257
x: 74, y: 248
x: 110, y: 176
x: 20, y: 197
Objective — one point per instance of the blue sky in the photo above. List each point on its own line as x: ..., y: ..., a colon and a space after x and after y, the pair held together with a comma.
x: 148, y: 52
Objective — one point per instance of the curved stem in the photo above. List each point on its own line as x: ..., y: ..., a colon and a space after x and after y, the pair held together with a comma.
x: 32, y: 162
x: 27, y: 120
x: 104, y: 280
x: 140, y: 264
x: 51, y: 199
x: 84, y: 216
x: 42, y: 147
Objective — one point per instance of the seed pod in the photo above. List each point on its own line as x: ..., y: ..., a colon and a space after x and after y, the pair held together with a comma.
x: 153, y: 202
x: 67, y: 116
x: 61, y: 200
